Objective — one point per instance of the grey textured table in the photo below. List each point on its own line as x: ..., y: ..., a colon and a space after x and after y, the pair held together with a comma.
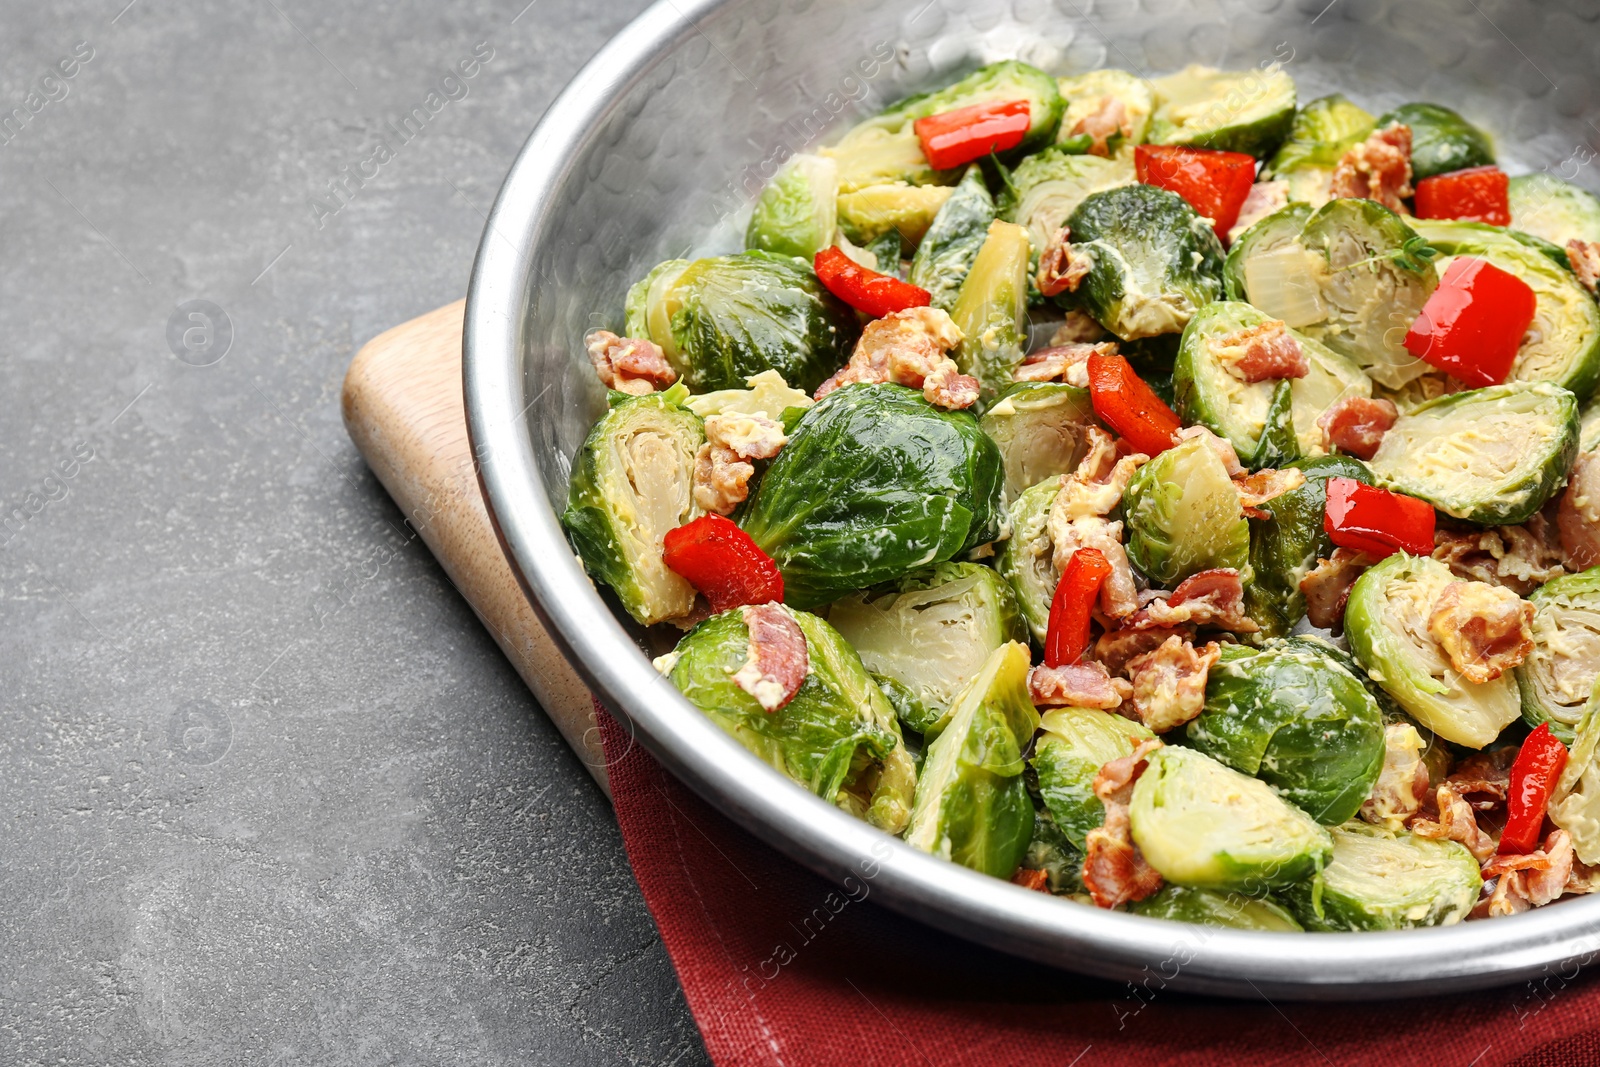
x: 268, y: 794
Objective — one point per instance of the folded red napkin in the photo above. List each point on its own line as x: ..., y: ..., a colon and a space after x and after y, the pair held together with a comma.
x: 783, y: 968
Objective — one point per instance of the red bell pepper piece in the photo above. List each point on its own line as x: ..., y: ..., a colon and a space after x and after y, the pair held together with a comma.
x: 1477, y: 194
x: 720, y: 560
x: 1068, y: 634
x: 1214, y: 183
x: 952, y: 138
x: 1473, y: 324
x: 1538, y: 765
x: 1125, y: 403
x: 1368, y: 519
x: 866, y: 290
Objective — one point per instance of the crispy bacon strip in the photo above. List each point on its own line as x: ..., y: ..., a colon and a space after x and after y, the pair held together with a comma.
x: 1262, y: 352
x: 1263, y: 200
x: 1169, y: 684
x: 777, y: 660
x: 1085, y: 684
x: 1116, y: 647
x: 1532, y: 880
x: 1456, y: 822
x: 1206, y: 598
x: 1327, y: 587
x: 908, y: 348
x: 1031, y: 879
x: 722, y: 467
x: 1264, y: 486
x: 1578, y: 518
x: 629, y: 364
x: 1484, y: 778
x: 1521, y: 558
x: 1068, y: 363
x: 1114, y: 870
x: 1357, y: 424
x: 1077, y: 518
x: 1585, y: 259
x: 1060, y: 267
x: 1378, y: 168
x: 1486, y: 630
x: 1104, y: 123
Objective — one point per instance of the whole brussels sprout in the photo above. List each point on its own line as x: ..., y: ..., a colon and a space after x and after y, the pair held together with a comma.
x: 721, y: 320
x: 1253, y: 270
x: 954, y: 237
x: 1441, y: 140
x: 1046, y: 188
x: 972, y: 806
x: 1085, y: 92
x: 1291, y: 715
x: 1545, y: 206
x: 796, y: 213
x: 872, y: 211
x: 1385, y: 880
x: 1205, y: 825
x: 632, y: 482
x: 1575, y: 801
x: 1027, y: 557
x: 1321, y: 133
x: 1561, y: 671
x: 1041, y: 429
x: 837, y: 737
x: 1209, y: 907
x: 931, y: 631
x: 874, y: 483
x: 1183, y: 516
x: 1233, y: 111
x: 991, y: 309
x: 1285, y: 548
x: 1072, y: 747
x: 1154, y: 261
x: 1386, y: 622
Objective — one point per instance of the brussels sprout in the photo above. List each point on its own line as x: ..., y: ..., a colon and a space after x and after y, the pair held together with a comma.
x: 972, y: 806
x: 951, y: 244
x: 1074, y: 745
x: 1052, y: 853
x: 721, y: 320
x: 1208, y: 394
x: 932, y: 630
x: 991, y: 309
x: 1322, y: 132
x: 1386, y: 623
x: 1027, y: 557
x: 1183, y: 516
x: 1575, y: 801
x: 1291, y: 715
x: 1154, y: 261
x: 795, y: 214
x: 1384, y: 880
x: 1372, y: 281
x: 1545, y: 206
x: 1041, y: 429
x: 1205, y: 825
x: 885, y: 148
x: 764, y: 394
x: 908, y: 710
x: 1489, y: 456
x: 1441, y: 140
x: 631, y: 483
x: 1209, y: 907
x: 1234, y: 111
x: 874, y: 210
x: 837, y: 737
x: 1284, y: 548
x: 1047, y: 188
x: 1558, y: 676
x: 874, y: 483
x: 1252, y: 259
x: 1084, y: 93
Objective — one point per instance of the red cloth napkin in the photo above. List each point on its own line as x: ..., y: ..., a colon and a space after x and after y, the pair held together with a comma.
x: 783, y: 968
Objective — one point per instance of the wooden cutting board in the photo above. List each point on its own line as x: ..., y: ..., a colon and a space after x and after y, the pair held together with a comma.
x: 403, y: 408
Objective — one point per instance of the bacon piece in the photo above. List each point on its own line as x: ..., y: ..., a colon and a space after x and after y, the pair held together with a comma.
x: 1521, y: 558
x: 1085, y: 684
x: 1077, y: 517
x: 630, y: 365
x: 777, y: 660
x: 1456, y: 822
x: 1068, y: 363
x: 1402, y: 783
x: 1264, y: 486
x: 1485, y: 629
x: 1060, y: 267
x: 1357, y: 424
x: 1585, y: 259
x: 1114, y: 870
x: 1484, y: 778
x: 1206, y: 598
x: 1532, y: 880
x: 1378, y: 168
x: 1103, y: 123
x: 1263, y: 200
x: 1261, y: 352
x: 908, y: 348
x: 1078, y: 328
x: 1169, y: 684
x: 722, y: 470
x: 1031, y: 879
x: 1223, y: 449
x: 1327, y: 587
x: 1578, y: 518
x: 1116, y: 648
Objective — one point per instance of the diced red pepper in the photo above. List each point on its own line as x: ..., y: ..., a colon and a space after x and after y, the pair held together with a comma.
x: 1214, y: 183
x: 1473, y: 324
x: 1539, y: 764
x: 1131, y: 408
x: 866, y: 290
x: 720, y: 560
x: 1477, y: 194
x: 952, y: 138
x: 1365, y: 518
x: 1070, y: 610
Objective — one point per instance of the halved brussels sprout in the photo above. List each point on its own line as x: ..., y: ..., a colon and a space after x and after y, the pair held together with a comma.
x: 1267, y: 236
x: 1027, y: 557
x: 896, y: 207
x: 1183, y: 516
x: 991, y: 309
x: 1386, y: 622
x: 1545, y: 206
x: 1041, y: 429
x: 1234, y: 111
x: 632, y: 482
x: 1205, y: 825
x: 972, y: 806
x: 1208, y: 394
x: 721, y: 320
x: 874, y: 483
x: 1558, y: 676
x: 1294, y: 717
x: 837, y: 737
x: 910, y: 712
x: 1575, y: 801
x: 795, y: 214
x: 1052, y: 853
x: 1072, y: 747
x: 1441, y: 140
x: 1084, y: 94
x: 951, y: 244
x: 1209, y: 907
x: 1384, y: 880
x: 1284, y: 548
x: 1154, y: 261
x: 932, y: 630
x: 1047, y: 188
x: 764, y: 394
x: 1321, y: 133
x: 885, y: 148
x: 1490, y: 456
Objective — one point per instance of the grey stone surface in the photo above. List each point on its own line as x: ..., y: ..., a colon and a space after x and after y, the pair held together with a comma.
x: 268, y: 793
